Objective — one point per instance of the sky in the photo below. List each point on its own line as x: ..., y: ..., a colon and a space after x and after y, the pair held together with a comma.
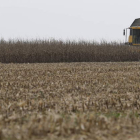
x: 67, y: 19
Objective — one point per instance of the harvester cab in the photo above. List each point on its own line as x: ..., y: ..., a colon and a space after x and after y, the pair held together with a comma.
x: 134, y: 37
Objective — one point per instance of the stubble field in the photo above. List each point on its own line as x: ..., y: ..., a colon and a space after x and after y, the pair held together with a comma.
x: 70, y: 101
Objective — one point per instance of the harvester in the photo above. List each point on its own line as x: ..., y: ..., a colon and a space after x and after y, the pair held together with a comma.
x: 134, y: 37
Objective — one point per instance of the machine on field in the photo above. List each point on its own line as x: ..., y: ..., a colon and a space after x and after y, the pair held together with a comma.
x: 134, y: 37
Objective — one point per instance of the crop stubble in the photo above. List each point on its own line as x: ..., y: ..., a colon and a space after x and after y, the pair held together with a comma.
x: 98, y: 101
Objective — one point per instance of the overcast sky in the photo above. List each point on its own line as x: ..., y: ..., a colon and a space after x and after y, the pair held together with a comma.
x: 67, y: 19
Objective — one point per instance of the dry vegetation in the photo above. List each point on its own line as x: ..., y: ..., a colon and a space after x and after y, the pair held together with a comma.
x: 42, y: 51
x: 70, y: 101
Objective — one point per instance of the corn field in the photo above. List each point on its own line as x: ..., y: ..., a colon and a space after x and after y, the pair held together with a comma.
x: 70, y: 101
x: 51, y: 51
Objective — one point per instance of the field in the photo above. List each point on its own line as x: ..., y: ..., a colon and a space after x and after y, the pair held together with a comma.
x: 70, y: 101
x: 53, y: 51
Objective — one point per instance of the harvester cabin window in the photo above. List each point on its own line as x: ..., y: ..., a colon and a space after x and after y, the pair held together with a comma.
x: 136, y: 35
x: 131, y: 31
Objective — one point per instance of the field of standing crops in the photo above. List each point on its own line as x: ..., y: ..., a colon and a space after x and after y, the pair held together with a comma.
x: 70, y: 101
x: 54, y: 51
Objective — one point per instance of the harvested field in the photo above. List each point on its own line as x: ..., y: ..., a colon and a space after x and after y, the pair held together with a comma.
x: 70, y: 101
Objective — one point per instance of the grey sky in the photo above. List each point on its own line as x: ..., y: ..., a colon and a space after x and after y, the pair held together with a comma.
x: 67, y: 19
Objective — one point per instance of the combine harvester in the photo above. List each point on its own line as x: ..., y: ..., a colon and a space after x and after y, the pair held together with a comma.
x: 134, y: 37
